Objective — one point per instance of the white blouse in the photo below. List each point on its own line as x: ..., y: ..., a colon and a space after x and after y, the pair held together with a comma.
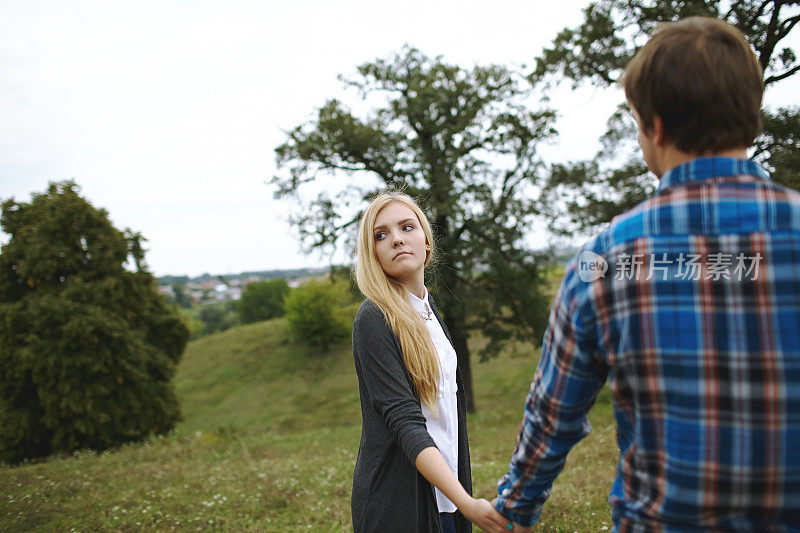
x: 443, y: 430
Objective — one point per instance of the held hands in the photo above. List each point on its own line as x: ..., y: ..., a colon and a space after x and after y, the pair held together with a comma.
x: 483, y: 514
x: 517, y: 528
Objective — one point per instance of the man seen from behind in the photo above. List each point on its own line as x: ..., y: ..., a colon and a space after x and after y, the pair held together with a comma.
x: 689, y: 305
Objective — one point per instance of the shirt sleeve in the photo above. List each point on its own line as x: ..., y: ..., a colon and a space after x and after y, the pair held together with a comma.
x: 566, y: 382
x: 379, y: 359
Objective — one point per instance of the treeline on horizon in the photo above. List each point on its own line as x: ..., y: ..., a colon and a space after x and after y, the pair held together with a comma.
x: 291, y: 273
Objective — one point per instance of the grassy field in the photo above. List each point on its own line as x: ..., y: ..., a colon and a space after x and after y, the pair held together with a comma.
x: 268, y: 443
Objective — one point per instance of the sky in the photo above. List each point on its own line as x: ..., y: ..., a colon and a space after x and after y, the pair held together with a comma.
x: 167, y: 113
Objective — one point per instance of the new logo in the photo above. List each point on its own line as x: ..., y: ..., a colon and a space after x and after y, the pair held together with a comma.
x: 591, y: 266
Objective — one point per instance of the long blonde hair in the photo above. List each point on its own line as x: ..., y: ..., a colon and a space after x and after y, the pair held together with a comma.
x: 391, y: 298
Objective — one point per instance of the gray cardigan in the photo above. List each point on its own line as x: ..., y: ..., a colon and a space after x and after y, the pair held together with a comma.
x: 389, y: 494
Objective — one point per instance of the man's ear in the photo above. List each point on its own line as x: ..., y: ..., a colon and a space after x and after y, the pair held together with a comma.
x: 658, y: 134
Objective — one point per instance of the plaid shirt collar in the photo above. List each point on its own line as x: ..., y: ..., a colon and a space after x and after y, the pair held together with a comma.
x: 710, y: 167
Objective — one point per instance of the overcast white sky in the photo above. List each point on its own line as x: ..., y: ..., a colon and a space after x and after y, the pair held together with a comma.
x: 167, y: 113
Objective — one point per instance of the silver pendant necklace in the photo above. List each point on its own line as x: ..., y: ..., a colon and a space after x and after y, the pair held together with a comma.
x: 427, y: 316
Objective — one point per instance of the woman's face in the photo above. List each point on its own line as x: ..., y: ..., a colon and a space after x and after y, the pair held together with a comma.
x: 400, y: 243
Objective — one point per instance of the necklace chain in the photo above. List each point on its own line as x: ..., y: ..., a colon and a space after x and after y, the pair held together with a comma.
x: 427, y: 316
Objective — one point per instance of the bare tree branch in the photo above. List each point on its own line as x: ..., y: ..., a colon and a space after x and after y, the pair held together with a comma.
x: 783, y: 75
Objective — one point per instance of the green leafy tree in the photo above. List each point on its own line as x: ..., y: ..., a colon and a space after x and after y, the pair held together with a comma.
x: 218, y: 316
x: 262, y: 300
x: 463, y: 143
x: 182, y: 299
x: 89, y: 348
x: 315, y: 314
x: 587, y: 194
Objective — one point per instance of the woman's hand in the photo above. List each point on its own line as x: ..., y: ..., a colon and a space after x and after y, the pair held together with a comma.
x: 481, y: 513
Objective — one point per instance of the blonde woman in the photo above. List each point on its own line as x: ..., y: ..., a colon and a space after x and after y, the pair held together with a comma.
x: 413, y: 470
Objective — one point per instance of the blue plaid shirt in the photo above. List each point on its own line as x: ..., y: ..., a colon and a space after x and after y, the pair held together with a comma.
x: 690, y: 305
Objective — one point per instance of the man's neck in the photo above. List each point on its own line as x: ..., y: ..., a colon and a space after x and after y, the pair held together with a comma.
x: 671, y: 157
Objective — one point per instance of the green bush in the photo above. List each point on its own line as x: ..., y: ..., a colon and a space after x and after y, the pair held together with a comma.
x: 218, y: 317
x: 89, y: 348
x: 181, y: 298
x: 192, y: 320
x: 262, y: 300
x: 315, y: 315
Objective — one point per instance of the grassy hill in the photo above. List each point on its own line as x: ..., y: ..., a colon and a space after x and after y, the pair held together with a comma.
x: 253, y: 376
x: 268, y: 443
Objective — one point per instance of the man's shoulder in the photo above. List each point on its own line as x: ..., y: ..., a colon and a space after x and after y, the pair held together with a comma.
x: 629, y: 225
x: 622, y: 229
x: 678, y: 206
x: 787, y: 194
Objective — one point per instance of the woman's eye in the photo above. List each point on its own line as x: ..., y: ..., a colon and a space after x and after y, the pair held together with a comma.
x: 408, y: 227
x: 379, y: 236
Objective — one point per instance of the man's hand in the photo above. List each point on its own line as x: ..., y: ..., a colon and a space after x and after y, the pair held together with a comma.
x: 481, y: 513
x: 517, y: 528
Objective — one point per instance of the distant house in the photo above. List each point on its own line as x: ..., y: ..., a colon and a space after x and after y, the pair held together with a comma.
x: 166, y: 290
x: 230, y: 286
x: 296, y: 282
x: 223, y: 292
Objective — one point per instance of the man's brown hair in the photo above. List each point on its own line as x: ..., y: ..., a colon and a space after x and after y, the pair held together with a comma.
x: 703, y: 80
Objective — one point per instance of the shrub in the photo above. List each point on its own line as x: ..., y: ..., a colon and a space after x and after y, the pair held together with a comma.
x: 262, y: 300
x: 217, y: 317
x: 314, y: 313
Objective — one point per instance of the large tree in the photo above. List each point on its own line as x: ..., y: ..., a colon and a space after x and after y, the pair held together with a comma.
x: 88, y: 347
x: 590, y: 193
x: 461, y: 141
